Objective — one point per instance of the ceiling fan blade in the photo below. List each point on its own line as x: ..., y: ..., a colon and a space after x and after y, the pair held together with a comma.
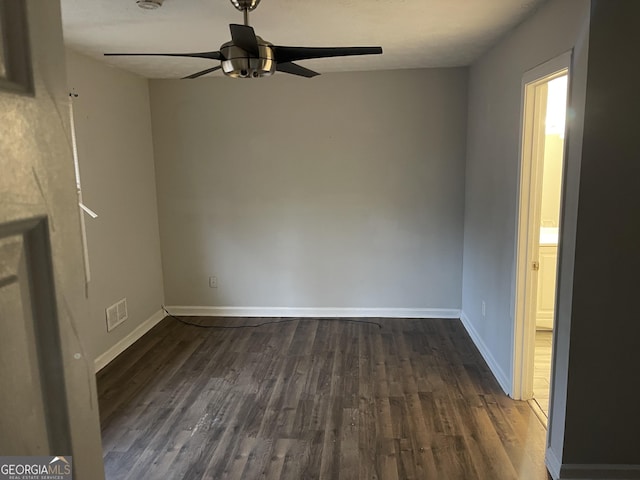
x: 244, y: 36
x: 209, y: 55
x: 203, y: 72
x: 292, y: 68
x: 291, y: 54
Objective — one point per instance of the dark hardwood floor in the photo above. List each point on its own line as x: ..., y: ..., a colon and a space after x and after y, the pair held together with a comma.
x: 310, y: 399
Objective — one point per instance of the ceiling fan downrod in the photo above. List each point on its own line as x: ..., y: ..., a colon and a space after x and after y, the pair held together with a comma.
x: 245, y: 6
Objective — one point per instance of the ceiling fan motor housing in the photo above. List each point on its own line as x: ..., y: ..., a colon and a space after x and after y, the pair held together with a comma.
x: 238, y: 63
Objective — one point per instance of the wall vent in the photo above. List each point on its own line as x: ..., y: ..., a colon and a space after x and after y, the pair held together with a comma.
x: 116, y: 314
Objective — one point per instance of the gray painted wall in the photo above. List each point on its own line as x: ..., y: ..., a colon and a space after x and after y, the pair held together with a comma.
x: 342, y: 191
x: 492, y: 173
x: 602, y: 420
x: 566, y: 247
x: 113, y: 126
x: 594, y: 420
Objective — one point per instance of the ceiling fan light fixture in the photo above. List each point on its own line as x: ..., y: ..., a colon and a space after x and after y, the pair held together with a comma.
x: 149, y: 4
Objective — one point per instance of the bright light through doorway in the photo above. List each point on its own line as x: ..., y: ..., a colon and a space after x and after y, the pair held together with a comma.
x: 556, y: 106
x: 549, y: 226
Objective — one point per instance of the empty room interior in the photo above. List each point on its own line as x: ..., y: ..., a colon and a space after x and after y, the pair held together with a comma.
x: 375, y: 273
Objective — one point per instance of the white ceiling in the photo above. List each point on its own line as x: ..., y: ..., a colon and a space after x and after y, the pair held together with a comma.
x: 413, y: 33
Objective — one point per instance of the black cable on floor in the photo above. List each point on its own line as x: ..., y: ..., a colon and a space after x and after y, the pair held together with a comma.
x: 270, y: 322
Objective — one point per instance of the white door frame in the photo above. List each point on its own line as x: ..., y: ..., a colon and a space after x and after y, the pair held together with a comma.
x: 527, y: 238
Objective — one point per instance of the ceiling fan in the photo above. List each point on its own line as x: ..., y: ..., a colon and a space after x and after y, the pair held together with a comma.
x: 249, y: 56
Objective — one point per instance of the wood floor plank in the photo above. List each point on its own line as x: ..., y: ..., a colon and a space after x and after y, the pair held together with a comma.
x: 296, y: 459
x: 330, y: 461
x: 274, y: 467
x: 385, y: 459
x: 421, y: 438
x: 238, y: 462
x: 349, y: 438
x: 258, y: 459
x: 313, y: 399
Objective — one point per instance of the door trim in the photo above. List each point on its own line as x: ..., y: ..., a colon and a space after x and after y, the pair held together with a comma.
x: 34, y: 235
x: 17, y: 74
x: 526, y: 239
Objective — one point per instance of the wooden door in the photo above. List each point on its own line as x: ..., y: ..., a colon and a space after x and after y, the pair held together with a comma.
x: 548, y: 255
x: 48, y: 399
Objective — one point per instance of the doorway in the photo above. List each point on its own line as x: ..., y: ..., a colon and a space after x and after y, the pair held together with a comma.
x: 542, y: 159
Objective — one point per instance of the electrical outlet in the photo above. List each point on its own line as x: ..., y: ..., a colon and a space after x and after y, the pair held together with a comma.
x: 213, y: 282
x: 484, y: 309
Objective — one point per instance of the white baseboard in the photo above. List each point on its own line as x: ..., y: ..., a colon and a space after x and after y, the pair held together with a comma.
x: 497, y: 371
x: 599, y: 472
x: 108, y: 356
x: 552, y: 463
x: 314, y: 312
